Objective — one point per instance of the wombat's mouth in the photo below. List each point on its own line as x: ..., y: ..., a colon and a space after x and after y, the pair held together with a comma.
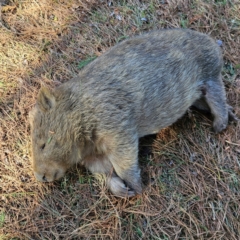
x: 47, y: 178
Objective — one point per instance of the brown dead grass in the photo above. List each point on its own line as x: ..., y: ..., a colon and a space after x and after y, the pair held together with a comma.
x: 192, y: 176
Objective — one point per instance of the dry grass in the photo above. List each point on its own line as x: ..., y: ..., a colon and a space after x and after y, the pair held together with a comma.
x: 192, y: 176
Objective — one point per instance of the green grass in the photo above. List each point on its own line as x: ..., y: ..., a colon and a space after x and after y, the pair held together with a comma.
x: 2, y: 219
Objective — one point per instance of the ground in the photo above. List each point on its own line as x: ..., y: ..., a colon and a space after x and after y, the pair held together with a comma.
x: 191, y: 175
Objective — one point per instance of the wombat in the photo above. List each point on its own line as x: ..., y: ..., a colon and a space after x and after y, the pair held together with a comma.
x: 138, y: 87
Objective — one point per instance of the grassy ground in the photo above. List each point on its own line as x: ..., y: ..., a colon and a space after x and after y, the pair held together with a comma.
x: 192, y: 175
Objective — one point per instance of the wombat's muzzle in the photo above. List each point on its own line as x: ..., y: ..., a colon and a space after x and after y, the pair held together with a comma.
x: 46, y: 178
x: 40, y: 177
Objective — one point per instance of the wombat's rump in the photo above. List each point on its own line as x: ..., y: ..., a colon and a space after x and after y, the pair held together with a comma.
x: 141, y: 85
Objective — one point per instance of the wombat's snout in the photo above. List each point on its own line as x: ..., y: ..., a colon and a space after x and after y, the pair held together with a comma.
x: 49, y: 177
x: 40, y: 177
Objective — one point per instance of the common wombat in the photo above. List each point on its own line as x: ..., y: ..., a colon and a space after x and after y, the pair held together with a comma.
x: 141, y: 85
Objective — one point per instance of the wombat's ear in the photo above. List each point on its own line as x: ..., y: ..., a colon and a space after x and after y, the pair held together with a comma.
x: 45, y: 99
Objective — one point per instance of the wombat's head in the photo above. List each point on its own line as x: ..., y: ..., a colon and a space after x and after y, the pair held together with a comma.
x: 53, y: 144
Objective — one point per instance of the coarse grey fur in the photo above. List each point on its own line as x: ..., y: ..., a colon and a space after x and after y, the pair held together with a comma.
x: 138, y: 87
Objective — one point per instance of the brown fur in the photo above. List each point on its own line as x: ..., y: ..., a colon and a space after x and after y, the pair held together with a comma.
x: 138, y: 87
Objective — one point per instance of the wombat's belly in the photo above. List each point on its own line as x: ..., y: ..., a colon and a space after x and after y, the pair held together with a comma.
x: 164, y: 108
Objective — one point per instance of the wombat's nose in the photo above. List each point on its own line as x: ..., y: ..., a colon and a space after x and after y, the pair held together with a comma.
x: 40, y: 177
x: 44, y: 179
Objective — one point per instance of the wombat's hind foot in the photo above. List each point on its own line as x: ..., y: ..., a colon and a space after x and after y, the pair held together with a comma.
x: 231, y: 115
x: 118, y: 188
x: 220, y: 124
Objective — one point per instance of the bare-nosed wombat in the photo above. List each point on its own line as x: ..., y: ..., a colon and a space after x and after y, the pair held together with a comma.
x: 141, y: 85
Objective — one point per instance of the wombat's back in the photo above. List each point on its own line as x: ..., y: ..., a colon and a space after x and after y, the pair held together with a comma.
x: 150, y: 80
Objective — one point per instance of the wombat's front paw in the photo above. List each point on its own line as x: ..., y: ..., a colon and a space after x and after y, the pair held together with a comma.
x: 118, y: 188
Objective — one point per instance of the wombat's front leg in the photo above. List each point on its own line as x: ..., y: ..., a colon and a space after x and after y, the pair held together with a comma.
x: 101, y: 166
x: 124, y: 159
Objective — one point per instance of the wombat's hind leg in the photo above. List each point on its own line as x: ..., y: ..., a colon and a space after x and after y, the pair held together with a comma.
x: 215, y: 97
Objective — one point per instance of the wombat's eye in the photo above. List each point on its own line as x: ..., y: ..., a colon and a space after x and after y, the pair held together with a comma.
x: 43, y: 146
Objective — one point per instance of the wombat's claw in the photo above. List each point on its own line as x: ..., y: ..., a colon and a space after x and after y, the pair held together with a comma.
x: 119, y: 189
x: 231, y: 115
